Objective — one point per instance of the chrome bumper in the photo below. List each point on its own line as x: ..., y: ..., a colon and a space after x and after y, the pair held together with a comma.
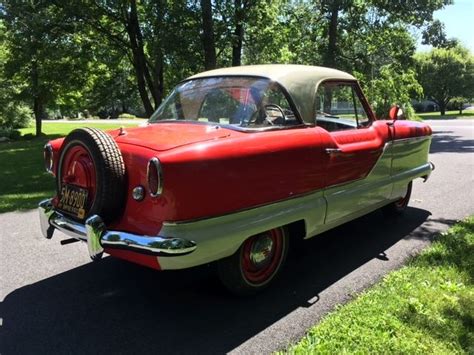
x: 98, y: 237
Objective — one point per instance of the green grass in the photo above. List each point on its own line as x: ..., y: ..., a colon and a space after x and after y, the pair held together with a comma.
x: 448, y: 115
x: 23, y: 180
x: 427, y: 307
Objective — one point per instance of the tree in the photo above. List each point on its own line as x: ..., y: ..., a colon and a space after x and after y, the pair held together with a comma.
x: 209, y: 44
x: 393, y: 86
x: 446, y: 74
x: 344, y: 18
x: 435, y: 35
x: 42, y: 63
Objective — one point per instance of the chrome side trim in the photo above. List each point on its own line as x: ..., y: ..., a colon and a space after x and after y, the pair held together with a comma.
x: 96, y: 235
x: 160, y: 246
x: 48, y: 166
x: 95, y: 229
x: 45, y: 209
x: 412, y: 139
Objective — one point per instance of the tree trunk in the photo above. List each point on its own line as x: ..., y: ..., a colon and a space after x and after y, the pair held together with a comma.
x: 442, y: 108
x: 238, y: 34
x: 208, y: 35
x: 37, y: 104
x: 145, y: 82
x: 38, y: 110
x: 330, y: 56
x: 460, y: 108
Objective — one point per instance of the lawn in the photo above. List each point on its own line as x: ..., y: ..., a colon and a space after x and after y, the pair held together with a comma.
x: 425, y: 307
x: 23, y: 181
x: 448, y: 115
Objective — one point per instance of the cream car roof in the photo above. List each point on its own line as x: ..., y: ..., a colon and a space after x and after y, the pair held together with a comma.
x: 300, y: 81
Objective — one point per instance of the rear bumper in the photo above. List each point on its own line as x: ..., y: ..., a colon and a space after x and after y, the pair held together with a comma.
x: 95, y: 233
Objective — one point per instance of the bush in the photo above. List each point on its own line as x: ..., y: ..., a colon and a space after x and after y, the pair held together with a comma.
x: 127, y: 116
x: 10, y: 133
x: 14, y: 115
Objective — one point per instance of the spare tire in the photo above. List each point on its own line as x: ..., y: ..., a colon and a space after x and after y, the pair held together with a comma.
x: 90, y: 175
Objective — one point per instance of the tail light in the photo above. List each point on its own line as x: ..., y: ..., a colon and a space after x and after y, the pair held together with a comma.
x: 48, y: 158
x: 155, y: 177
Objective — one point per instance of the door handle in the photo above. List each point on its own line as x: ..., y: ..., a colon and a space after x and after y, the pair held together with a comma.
x: 333, y: 151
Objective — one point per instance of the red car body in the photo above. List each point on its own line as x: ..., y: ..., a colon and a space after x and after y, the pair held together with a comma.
x: 219, y: 179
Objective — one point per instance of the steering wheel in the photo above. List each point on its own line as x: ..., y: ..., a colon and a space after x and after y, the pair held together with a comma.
x: 273, y: 106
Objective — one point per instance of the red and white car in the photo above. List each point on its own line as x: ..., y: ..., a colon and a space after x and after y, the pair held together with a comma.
x: 234, y: 165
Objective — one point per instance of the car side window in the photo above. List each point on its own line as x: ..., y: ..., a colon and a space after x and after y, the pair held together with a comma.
x: 338, y: 107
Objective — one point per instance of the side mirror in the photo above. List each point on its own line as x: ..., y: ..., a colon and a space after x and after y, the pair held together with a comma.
x: 396, y: 113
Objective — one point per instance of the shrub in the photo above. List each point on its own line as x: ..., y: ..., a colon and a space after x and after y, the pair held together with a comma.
x: 127, y: 116
x: 14, y: 115
x: 10, y: 133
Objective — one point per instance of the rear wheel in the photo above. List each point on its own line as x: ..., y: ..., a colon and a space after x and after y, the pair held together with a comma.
x: 91, y: 161
x: 399, y: 206
x: 257, y: 262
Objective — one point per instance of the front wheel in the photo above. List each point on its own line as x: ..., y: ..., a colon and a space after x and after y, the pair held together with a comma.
x: 399, y: 206
x: 256, y: 263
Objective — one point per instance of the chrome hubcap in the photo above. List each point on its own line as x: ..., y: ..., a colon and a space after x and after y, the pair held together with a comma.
x: 261, y: 252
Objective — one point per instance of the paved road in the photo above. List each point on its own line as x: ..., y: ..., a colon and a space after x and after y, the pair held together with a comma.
x: 53, y: 300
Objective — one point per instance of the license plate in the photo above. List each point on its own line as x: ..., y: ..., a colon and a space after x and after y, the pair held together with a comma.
x: 73, y: 200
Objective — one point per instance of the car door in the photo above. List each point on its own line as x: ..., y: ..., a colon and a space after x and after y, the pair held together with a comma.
x: 357, y: 177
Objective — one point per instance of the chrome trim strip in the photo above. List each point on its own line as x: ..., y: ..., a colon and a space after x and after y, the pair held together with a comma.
x: 163, y: 246
x: 96, y: 235
x: 48, y: 148
x: 412, y: 139
x: 334, y: 151
x: 155, y: 161
x: 45, y: 209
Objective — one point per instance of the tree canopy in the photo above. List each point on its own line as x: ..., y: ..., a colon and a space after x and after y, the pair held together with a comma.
x: 109, y: 57
x: 446, y: 74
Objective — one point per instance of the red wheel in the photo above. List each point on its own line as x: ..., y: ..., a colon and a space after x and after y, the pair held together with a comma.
x: 91, y: 175
x: 399, y: 206
x: 256, y: 263
x: 78, y: 169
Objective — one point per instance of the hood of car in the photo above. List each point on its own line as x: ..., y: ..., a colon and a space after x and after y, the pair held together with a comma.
x: 165, y: 136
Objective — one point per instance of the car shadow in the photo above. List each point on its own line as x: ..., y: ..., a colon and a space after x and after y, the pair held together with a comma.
x: 447, y: 142
x: 117, y: 307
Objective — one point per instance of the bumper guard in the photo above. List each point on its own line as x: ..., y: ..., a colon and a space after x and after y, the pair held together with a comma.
x: 96, y: 235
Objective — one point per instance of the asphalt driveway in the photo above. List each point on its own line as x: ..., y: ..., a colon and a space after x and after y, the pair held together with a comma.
x: 54, y: 300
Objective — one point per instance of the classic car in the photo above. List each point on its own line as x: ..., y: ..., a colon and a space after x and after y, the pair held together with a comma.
x: 234, y: 165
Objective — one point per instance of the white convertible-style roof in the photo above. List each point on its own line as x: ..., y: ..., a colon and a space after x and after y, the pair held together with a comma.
x: 300, y: 81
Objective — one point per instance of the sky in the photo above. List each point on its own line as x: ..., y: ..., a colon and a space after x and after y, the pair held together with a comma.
x: 458, y: 20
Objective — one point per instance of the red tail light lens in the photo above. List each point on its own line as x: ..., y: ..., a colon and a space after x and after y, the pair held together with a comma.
x: 48, y: 158
x: 155, y: 177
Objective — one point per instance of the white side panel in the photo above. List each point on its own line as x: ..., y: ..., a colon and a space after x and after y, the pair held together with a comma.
x: 345, y: 200
x: 410, y: 158
x: 219, y: 237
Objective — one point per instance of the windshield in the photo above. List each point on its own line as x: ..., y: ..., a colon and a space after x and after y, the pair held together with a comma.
x: 238, y: 101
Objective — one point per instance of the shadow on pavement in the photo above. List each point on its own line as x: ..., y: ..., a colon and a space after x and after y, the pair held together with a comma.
x: 117, y: 307
x: 447, y: 142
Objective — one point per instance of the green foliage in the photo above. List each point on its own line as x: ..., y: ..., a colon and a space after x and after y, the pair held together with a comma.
x: 14, y: 115
x: 110, y: 57
x: 445, y: 74
x: 10, y: 133
x: 393, y: 86
x: 426, y: 307
x: 23, y: 185
x: 435, y: 35
x: 127, y: 116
